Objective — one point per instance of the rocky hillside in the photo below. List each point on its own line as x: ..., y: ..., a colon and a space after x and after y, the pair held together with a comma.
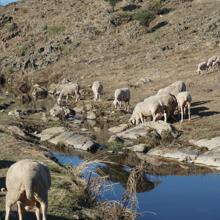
x: 154, y: 41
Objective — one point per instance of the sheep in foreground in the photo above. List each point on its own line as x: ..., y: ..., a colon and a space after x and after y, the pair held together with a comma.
x: 122, y: 95
x: 97, y: 89
x: 168, y: 102
x: 27, y: 184
x: 202, y: 67
x: 151, y: 107
x: 68, y: 90
x: 174, y: 88
x: 184, y: 100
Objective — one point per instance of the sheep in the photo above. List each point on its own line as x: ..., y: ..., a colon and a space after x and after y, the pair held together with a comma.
x: 184, y: 100
x: 174, y: 88
x: 27, y: 183
x: 67, y: 90
x: 122, y: 95
x: 202, y: 67
x: 216, y: 63
x: 211, y: 61
x: 39, y: 92
x: 97, y: 89
x: 168, y: 102
x: 150, y: 107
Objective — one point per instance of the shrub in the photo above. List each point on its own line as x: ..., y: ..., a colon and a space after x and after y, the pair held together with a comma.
x: 144, y: 17
x: 54, y: 29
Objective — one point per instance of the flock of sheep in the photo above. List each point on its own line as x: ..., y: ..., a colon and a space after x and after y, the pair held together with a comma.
x: 211, y: 64
x: 30, y: 191
x: 162, y: 105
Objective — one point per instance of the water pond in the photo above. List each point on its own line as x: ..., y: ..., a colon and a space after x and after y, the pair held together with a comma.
x: 168, y: 197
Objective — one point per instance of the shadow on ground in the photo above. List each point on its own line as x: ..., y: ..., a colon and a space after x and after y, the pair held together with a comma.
x: 5, y: 163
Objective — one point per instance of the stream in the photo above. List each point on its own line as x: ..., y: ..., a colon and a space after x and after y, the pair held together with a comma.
x: 169, y: 197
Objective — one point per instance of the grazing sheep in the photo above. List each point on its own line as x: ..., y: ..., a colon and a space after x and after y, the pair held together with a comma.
x: 39, y: 92
x: 211, y: 61
x: 151, y: 107
x: 27, y: 184
x: 174, y: 88
x: 216, y: 63
x: 68, y: 90
x: 122, y: 95
x: 168, y: 102
x: 184, y: 100
x: 97, y: 89
x: 202, y: 67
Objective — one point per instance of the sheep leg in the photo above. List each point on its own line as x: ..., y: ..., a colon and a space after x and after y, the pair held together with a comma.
x: 189, y: 111
x: 165, y: 116
x: 141, y: 117
x: 181, y: 113
x: 43, y: 210
x: 67, y: 97
x: 7, y: 211
x: 20, y: 211
x: 99, y: 97
x: 37, y: 213
x: 128, y: 106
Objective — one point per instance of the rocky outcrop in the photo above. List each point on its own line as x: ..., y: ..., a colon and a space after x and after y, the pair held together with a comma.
x: 61, y: 136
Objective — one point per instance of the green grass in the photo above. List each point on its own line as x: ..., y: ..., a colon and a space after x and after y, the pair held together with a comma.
x: 144, y: 17
x: 54, y: 29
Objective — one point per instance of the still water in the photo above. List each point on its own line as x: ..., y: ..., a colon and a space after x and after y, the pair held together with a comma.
x: 164, y: 197
x: 5, y: 2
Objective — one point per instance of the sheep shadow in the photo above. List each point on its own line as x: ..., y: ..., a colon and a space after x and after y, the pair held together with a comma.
x: 29, y: 216
x: 2, y: 183
x: 6, y: 163
x: 200, y: 103
x: 203, y: 111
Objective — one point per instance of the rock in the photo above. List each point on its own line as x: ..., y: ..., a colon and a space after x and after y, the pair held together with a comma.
x: 51, y: 132
x: 209, y: 143
x: 92, y: 123
x: 115, y: 138
x: 61, y: 112
x: 39, y: 92
x: 138, y: 148
x: 91, y: 115
x: 210, y: 158
x: 180, y: 153
x: 143, y: 81
x: 61, y: 136
x: 143, y: 129
x: 118, y: 128
x: 79, y: 109
x: 16, y: 131
x: 16, y: 113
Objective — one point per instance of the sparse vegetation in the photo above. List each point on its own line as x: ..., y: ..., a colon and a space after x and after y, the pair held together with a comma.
x: 54, y: 29
x: 144, y: 17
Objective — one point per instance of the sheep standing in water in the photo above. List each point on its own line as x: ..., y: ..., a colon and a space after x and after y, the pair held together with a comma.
x: 97, y: 89
x: 27, y: 184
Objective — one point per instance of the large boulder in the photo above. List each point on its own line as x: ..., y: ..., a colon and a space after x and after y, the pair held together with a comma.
x: 179, y: 153
x: 118, y: 128
x: 210, y: 158
x: 208, y: 143
x: 61, y: 136
x: 144, y: 129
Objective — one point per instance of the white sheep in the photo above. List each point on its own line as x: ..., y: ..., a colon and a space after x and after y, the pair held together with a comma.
x: 68, y: 90
x: 97, y: 89
x: 122, y: 95
x: 202, y: 67
x: 151, y: 107
x: 27, y: 184
x: 211, y: 61
x: 168, y: 102
x: 184, y: 100
x: 174, y: 88
x: 216, y: 63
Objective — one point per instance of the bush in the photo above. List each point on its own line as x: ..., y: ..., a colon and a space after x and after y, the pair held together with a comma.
x: 54, y: 29
x: 144, y: 17
x: 112, y: 2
